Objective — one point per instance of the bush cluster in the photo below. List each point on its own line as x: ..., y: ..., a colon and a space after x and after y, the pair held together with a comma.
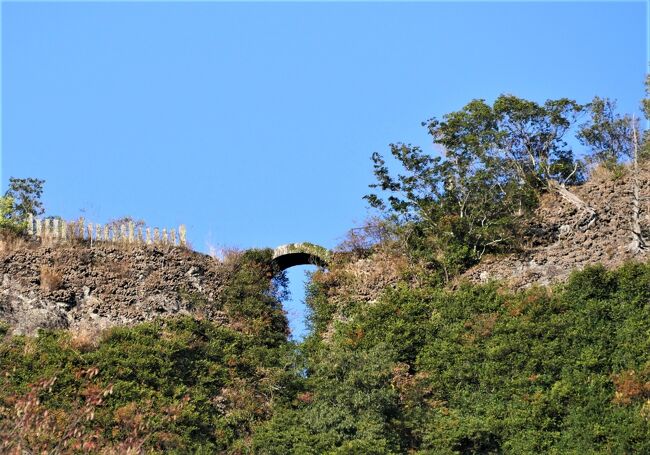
x: 479, y: 370
x: 427, y: 370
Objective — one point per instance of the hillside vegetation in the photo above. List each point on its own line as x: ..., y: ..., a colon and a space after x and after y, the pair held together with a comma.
x: 499, y: 303
x: 477, y: 370
x: 427, y: 370
x: 184, y: 383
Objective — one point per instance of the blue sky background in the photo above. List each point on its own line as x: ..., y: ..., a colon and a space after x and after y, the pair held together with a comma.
x: 253, y: 123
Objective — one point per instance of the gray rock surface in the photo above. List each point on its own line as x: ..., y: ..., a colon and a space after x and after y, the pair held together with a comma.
x: 559, y: 244
x: 81, y: 287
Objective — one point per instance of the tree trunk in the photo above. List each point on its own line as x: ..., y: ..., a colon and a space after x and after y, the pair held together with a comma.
x: 586, y: 222
x: 638, y: 243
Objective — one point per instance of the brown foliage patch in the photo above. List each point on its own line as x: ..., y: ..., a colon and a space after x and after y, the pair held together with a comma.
x: 414, y: 389
x: 10, y: 241
x: 480, y: 326
x: 305, y: 397
x: 85, y: 340
x: 51, y: 278
x: 630, y: 386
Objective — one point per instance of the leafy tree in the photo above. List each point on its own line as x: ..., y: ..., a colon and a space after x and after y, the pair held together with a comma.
x: 26, y: 196
x: 6, y: 209
x: 645, y: 106
x: 530, y: 138
x: 497, y: 160
x: 607, y: 135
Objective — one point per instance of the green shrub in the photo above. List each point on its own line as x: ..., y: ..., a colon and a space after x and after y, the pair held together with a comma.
x: 479, y: 370
x: 421, y: 370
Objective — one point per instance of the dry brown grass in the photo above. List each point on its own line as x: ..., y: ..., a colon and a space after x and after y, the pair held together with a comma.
x: 229, y: 257
x: 224, y: 254
x: 85, y: 340
x: 10, y: 241
x: 603, y: 173
x: 361, y: 279
x: 51, y: 278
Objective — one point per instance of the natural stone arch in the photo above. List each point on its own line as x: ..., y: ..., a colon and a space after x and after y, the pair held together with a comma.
x: 293, y: 254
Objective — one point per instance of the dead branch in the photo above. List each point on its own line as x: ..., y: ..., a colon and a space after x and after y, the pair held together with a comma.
x: 638, y: 243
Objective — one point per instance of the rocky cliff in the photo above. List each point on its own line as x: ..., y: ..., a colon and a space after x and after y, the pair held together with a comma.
x: 559, y: 241
x: 90, y: 287
x: 87, y: 287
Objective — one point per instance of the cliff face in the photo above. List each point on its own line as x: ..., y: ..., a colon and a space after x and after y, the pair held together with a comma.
x: 560, y: 239
x: 560, y: 242
x: 83, y: 287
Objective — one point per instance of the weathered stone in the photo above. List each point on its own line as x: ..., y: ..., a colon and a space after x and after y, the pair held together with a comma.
x: 604, y: 241
x: 119, y: 286
x: 292, y: 254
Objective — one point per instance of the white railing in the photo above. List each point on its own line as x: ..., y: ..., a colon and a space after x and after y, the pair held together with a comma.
x: 125, y: 233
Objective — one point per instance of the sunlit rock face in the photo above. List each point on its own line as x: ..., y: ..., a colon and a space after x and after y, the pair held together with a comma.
x: 79, y: 286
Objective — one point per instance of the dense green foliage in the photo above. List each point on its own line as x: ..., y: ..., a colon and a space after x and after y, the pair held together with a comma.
x: 608, y: 135
x: 185, y: 385
x: 26, y: 196
x: 479, y: 370
x: 426, y: 370
x: 6, y: 210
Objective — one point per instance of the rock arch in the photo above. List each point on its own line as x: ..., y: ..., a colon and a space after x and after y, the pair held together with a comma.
x: 292, y: 254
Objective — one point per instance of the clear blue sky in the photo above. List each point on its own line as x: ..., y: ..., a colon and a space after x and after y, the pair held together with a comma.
x: 253, y: 123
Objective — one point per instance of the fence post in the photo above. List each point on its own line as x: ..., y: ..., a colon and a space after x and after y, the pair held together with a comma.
x: 148, y: 239
x: 131, y: 232
x: 140, y: 239
x: 30, y: 225
x: 81, y: 224
x: 98, y: 232
x: 172, y: 237
x: 44, y: 228
x: 182, y: 233
x: 64, y: 230
x: 38, y: 228
x: 156, y: 235
x: 55, y: 228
